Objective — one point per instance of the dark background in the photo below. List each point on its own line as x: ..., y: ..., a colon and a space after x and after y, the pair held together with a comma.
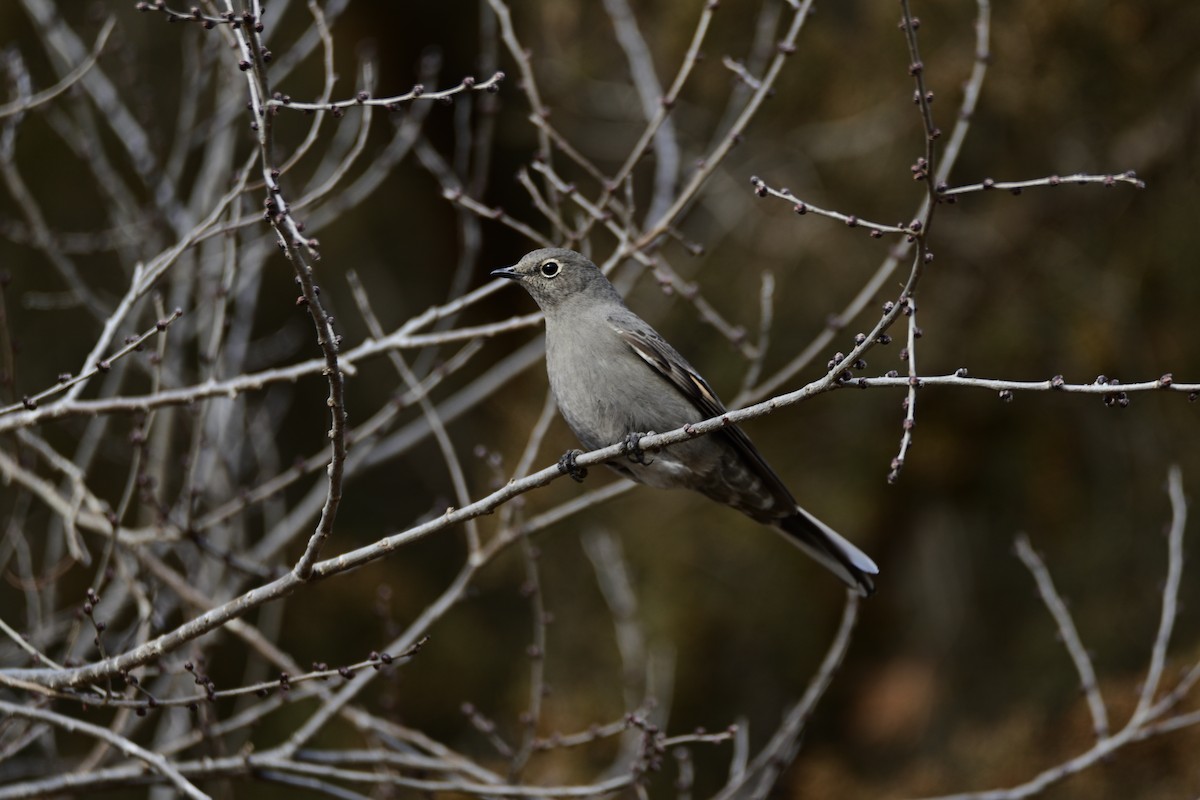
x: 955, y: 680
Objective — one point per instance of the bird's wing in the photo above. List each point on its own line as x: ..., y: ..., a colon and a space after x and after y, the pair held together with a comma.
x: 815, y: 537
x: 674, y: 369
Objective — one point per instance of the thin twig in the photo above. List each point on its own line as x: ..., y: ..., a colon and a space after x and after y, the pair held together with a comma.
x: 1015, y: 187
x: 66, y: 82
x: 1170, y: 595
x: 1067, y: 633
x: 765, y: 768
x: 72, y: 725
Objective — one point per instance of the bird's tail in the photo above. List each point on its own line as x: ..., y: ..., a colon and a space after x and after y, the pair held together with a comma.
x: 831, y: 549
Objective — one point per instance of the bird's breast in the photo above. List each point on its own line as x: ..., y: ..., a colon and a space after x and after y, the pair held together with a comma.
x: 605, y: 392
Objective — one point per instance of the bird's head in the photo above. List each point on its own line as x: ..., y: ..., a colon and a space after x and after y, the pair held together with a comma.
x: 555, y: 276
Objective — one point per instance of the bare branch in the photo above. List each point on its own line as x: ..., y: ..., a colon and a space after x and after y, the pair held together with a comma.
x: 1067, y: 632
x: 66, y: 82
x: 72, y: 725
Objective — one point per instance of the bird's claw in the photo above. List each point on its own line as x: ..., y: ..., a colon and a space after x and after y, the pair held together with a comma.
x: 632, y: 451
x: 567, y: 465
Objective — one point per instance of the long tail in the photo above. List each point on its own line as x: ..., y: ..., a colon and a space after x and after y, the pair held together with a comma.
x: 831, y: 549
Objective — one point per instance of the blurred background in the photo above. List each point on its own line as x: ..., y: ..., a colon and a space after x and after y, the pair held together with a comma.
x: 955, y: 680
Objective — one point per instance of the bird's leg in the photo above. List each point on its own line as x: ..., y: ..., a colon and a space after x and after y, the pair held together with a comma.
x: 632, y: 451
x: 567, y: 465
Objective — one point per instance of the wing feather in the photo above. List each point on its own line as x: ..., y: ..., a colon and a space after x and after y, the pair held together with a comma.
x: 675, y: 370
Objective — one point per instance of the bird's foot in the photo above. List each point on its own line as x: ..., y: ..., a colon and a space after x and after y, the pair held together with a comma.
x: 567, y: 465
x: 635, y: 454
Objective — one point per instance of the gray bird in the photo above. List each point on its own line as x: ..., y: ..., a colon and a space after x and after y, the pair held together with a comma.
x: 615, y: 379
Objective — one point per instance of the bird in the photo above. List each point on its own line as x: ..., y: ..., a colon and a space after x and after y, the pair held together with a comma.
x: 615, y: 379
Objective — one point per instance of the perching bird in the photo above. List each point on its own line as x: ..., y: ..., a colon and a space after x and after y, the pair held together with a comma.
x: 615, y: 379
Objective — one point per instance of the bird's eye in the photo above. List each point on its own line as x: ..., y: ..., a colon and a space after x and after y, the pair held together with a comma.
x: 550, y: 268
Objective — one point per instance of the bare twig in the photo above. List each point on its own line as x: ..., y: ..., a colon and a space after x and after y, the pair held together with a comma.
x: 1150, y: 719
x: 871, y: 288
x: 1170, y: 596
x: 758, y: 778
x: 1015, y: 187
x: 1070, y: 636
x: 72, y: 725
x: 66, y: 82
x: 393, y: 102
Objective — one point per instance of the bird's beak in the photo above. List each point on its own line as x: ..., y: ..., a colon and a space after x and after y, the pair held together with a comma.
x: 507, y: 272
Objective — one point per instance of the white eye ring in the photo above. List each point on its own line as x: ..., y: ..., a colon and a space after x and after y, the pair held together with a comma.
x: 550, y: 268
